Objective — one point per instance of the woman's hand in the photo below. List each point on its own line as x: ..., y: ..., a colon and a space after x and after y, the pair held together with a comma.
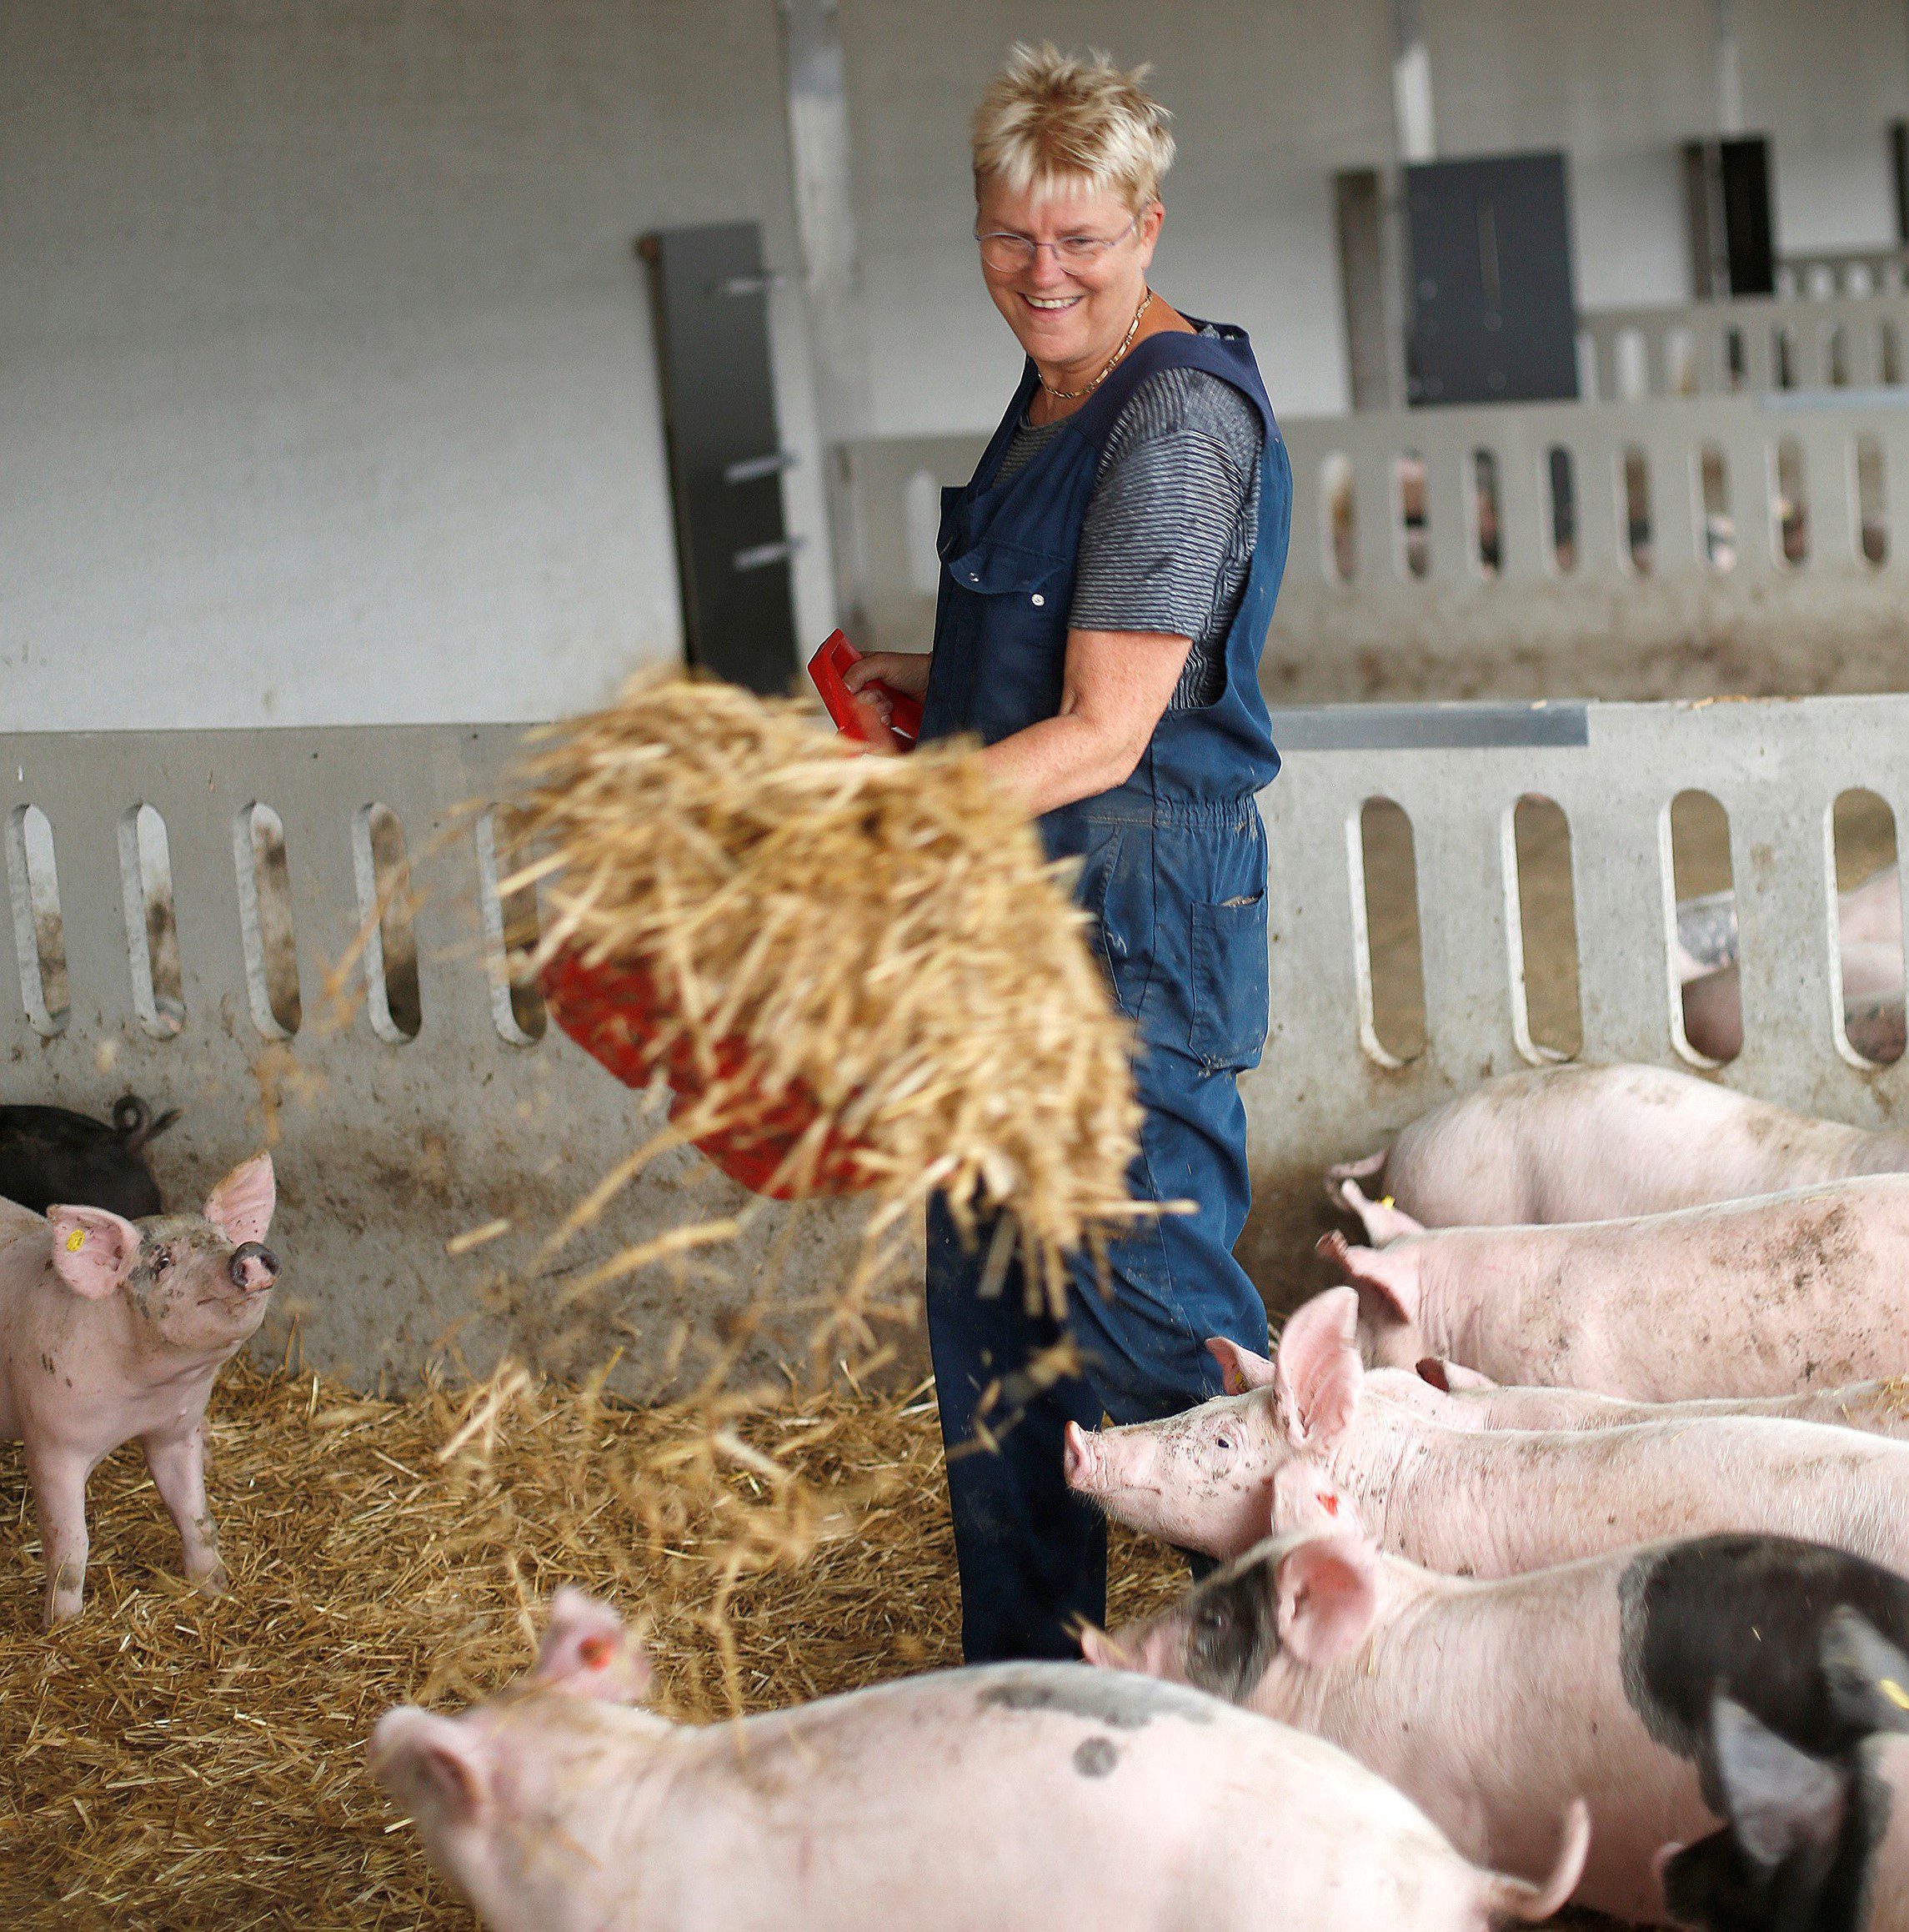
x: 905, y: 671
x: 898, y: 671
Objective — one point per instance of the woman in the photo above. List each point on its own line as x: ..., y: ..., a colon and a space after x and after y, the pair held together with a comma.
x: 1107, y: 579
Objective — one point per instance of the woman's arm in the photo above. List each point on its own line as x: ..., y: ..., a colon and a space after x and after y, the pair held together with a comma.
x: 1114, y: 691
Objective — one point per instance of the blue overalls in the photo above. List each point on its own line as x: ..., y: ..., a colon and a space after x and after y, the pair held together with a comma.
x: 1173, y: 873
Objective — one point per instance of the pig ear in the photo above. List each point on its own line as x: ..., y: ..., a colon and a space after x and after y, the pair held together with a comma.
x: 587, y: 1651
x: 1099, y: 1649
x: 1451, y: 1376
x: 1304, y: 1498
x: 1868, y: 1677
x: 1242, y: 1369
x: 240, y: 1207
x: 1316, y: 1373
x: 1779, y: 1799
x: 93, y: 1251
x: 1383, y: 1221
x: 1389, y: 1277
x: 1328, y: 1598
x: 411, y: 1745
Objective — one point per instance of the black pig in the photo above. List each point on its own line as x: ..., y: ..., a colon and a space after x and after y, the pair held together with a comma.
x: 49, y: 1155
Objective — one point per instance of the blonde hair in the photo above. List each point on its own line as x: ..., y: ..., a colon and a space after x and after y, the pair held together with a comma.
x: 1050, y: 121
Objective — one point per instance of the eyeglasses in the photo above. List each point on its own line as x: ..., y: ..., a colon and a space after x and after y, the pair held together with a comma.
x: 1007, y: 252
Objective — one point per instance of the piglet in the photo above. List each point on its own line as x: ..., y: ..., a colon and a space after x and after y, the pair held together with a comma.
x: 1486, y: 1502
x: 1602, y: 1143
x: 1008, y: 1795
x: 1492, y: 1704
x: 1765, y: 1296
x: 111, y: 1331
x: 1462, y: 1398
x: 50, y: 1153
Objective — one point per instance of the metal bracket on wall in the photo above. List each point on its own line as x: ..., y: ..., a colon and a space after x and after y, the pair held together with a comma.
x: 726, y: 458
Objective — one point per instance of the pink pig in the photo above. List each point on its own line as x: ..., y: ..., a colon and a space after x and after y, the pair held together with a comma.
x: 1485, y: 1502
x: 1007, y: 1795
x: 1462, y: 1398
x: 112, y: 1330
x: 1600, y: 1143
x: 1756, y: 1298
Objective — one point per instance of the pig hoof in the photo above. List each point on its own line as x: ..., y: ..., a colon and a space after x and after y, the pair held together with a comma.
x: 61, y: 1609
x: 214, y: 1582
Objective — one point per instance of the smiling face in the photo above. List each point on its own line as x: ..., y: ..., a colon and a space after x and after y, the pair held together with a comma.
x: 1070, y: 317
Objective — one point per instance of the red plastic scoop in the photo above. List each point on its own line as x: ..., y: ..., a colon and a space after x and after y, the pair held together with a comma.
x: 617, y: 1015
x: 826, y: 667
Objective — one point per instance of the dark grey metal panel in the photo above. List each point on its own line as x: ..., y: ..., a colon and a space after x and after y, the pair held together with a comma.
x: 719, y: 406
x: 1427, y: 727
x: 1494, y: 318
x: 1727, y: 203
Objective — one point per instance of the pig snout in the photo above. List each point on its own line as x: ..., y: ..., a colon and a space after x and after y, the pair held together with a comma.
x: 253, y: 1267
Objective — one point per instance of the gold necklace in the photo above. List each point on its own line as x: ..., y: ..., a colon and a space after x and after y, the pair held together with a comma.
x: 1126, y: 343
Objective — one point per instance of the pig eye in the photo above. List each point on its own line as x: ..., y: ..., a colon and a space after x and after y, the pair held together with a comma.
x: 162, y: 1260
x: 1223, y: 1443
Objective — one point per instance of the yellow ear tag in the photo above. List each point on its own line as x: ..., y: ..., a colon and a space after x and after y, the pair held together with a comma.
x: 75, y: 1242
x: 1894, y: 1692
x: 1387, y: 1201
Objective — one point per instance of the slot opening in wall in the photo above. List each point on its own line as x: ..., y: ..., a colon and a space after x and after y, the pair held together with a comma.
x: 1836, y: 357
x: 152, y: 928
x: 1706, y: 1011
x: 1414, y: 547
x: 511, y: 928
x: 1866, y: 991
x: 1888, y: 354
x: 265, y: 921
x: 1790, y: 503
x: 1715, y: 520
x: 39, y: 934
x: 385, y: 904
x: 1783, y: 357
x: 1631, y: 365
x: 1338, y: 532
x: 1872, y: 500
x: 1735, y: 370
x: 1560, y: 496
x: 921, y: 525
x: 1680, y: 372
x: 1389, y: 962
x: 1541, y: 926
x: 1487, y: 526
x: 1635, y: 482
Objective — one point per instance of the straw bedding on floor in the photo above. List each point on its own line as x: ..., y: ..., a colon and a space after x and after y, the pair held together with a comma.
x: 171, y: 1762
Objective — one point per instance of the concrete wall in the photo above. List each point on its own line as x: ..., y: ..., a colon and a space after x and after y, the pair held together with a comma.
x: 325, y: 372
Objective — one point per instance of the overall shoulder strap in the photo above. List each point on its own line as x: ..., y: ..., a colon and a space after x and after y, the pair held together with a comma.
x: 1229, y: 356
x: 1005, y: 430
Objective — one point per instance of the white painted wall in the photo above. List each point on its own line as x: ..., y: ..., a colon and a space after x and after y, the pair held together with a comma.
x: 325, y: 366
x: 326, y: 385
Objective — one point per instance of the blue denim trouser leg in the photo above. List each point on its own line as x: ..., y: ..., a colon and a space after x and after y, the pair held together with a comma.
x: 1032, y: 1557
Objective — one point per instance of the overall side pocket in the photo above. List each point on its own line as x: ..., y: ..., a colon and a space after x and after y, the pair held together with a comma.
x: 1230, y: 994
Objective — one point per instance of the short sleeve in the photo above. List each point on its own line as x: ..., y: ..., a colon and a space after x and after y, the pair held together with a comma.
x: 1167, y: 540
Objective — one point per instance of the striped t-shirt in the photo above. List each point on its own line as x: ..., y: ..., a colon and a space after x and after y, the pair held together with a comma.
x: 1168, y: 540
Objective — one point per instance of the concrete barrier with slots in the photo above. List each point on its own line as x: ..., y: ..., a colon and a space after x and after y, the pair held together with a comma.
x: 390, y: 1147
x: 1405, y: 612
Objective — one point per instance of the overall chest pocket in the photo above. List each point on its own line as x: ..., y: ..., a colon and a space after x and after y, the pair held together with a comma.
x: 1039, y: 580
x: 1230, y: 994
